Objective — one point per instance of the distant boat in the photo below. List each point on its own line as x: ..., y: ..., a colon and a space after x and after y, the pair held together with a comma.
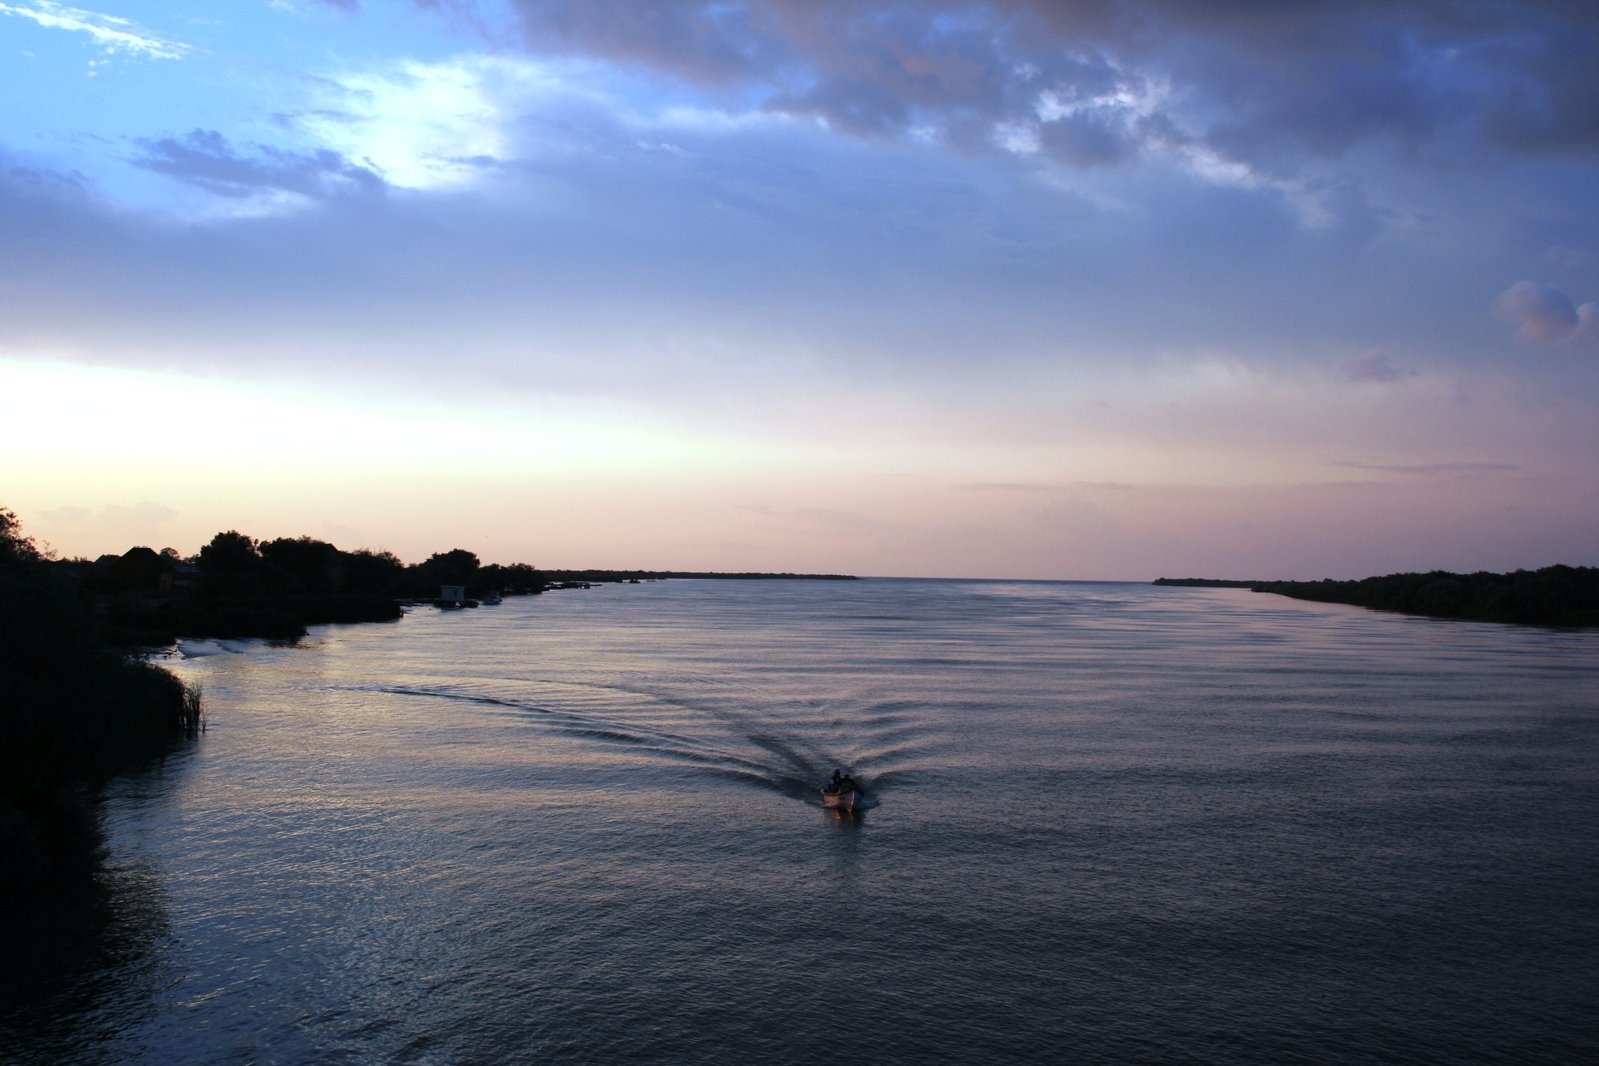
x: 842, y: 794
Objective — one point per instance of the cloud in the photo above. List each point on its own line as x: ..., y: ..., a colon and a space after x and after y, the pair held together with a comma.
x: 206, y: 159
x: 1548, y: 99
x: 1435, y: 469
x: 427, y: 125
x: 1091, y: 82
x: 111, y: 33
x: 961, y: 74
x: 1375, y: 366
x: 704, y: 43
x: 1546, y: 317
x: 1087, y: 139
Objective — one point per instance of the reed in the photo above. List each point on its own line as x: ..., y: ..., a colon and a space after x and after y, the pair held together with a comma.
x: 191, y: 713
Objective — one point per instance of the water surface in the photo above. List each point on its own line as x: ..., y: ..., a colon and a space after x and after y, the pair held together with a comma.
x: 1112, y: 823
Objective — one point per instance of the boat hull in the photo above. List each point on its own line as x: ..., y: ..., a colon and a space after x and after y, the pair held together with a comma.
x: 840, y: 801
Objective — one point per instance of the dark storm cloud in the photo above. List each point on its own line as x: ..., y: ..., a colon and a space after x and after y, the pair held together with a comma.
x: 206, y: 159
x: 1259, y: 82
x: 1549, y: 98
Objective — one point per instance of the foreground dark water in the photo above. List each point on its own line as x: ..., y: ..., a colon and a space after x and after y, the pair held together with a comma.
x: 1114, y: 823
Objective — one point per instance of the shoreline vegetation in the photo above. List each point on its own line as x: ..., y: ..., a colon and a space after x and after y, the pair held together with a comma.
x: 74, y: 712
x: 1551, y: 596
x: 239, y: 587
x: 1205, y: 583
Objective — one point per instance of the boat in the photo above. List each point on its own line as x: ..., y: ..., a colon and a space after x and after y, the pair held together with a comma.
x: 841, y: 801
x: 842, y: 794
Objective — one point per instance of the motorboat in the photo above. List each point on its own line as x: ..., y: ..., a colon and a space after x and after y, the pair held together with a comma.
x: 842, y: 794
x: 841, y: 801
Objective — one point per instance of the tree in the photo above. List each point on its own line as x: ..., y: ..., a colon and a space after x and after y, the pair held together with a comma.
x: 14, y: 547
x: 458, y: 565
x: 455, y: 567
x: 372, y: 573
x: 313, y: 565
x: 230, y: 566
x: 518, y: 577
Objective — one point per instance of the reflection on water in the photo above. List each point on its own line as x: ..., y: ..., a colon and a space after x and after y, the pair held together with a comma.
x: 82, y: 969
x: 1111, y: 822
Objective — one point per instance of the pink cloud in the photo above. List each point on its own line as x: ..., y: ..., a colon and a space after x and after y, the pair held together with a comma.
x: 1546, y: 317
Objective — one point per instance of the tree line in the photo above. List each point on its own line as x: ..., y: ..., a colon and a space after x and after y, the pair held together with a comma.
x: 237, y: 586
x: 1554, y: 595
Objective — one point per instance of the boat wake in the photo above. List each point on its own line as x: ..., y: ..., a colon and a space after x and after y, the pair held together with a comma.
x: 789, y: 751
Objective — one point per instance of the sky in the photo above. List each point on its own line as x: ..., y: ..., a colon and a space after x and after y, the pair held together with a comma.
x: 1080, y: 289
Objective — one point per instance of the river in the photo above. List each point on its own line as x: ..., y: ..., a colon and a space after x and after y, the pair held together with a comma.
x: 1109, y: 823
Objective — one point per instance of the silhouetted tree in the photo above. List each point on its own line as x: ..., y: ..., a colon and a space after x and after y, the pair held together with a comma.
x: 231, y: 565
x: 372, y: 573
x: 313, y: 565
x: 517, y: 578
x: 455, y: 567
x: 1555, y: 595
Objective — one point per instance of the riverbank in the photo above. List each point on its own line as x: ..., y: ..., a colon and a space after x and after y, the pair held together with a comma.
x: 281, y: 617
x: 1552, y: 596
x: 1204, y: 583
x: 74, y: 712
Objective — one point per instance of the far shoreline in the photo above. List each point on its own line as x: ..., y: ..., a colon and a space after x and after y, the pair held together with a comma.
x: 1563, y: 596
